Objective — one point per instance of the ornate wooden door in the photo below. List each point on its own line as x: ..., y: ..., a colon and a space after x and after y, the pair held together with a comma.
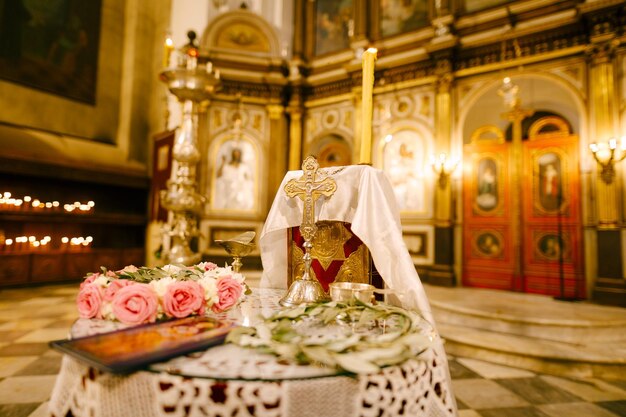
x: 552, y: 236
x: 488, y: 253
x: 538, y: 249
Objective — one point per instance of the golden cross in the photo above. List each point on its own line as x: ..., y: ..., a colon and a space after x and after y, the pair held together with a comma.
x: 309, y: 190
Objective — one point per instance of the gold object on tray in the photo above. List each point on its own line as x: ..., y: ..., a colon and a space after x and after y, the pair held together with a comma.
x: 347, y: 292
x: 238, y: 247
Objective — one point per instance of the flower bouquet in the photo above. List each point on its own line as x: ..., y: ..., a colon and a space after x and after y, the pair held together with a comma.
x: 143, y: 295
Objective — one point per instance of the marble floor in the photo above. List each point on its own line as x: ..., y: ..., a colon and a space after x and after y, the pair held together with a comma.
x: 30, y: 317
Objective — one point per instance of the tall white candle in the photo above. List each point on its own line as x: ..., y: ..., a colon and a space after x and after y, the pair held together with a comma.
x: 369, y: 57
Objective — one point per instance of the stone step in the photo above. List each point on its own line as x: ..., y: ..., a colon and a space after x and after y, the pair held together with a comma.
x: 598, y: 360
x: 529, y: 315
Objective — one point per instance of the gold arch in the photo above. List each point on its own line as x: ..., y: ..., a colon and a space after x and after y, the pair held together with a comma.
x: 562, y: 129
x: 491, y: 133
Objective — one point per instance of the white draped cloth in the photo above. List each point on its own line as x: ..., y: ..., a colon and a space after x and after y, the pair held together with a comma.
x: 365, y: 199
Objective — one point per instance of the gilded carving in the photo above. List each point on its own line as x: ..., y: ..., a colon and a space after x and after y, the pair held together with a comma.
x: 217, y: 118
x: 425, y: 106
x: 328, y: 243
x: 256, y: 122
x: 347, y: 119
x: 355, y: 268
x: 243, y: 36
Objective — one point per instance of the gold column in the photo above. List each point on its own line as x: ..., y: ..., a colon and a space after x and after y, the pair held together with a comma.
x: 360, y: 24
x: 443, y: 116
x: 516, y: 115
x: 277, y: 144
x: 295, y: 138
x: 604, y: 107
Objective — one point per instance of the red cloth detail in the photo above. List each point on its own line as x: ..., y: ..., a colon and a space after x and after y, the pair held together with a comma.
x: 326, y: 277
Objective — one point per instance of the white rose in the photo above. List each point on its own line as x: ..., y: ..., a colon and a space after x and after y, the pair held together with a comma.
x: 102, y: 281
x: 160, y: 285
x: 107, y: 311
x: 171, y: 269
x: 210, y: 290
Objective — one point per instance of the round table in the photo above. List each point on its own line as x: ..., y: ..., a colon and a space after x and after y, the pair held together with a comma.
x: 229, y: 380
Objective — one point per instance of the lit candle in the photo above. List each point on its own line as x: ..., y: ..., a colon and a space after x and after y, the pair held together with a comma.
x: 369, y: 57
x: 169, y: 47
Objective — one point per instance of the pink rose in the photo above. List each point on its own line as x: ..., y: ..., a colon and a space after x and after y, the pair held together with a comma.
x: 183, y: 298
x: 89, y: 301
x: 127, y: 269
x: 114, y: 287
x: 91, y: 278
x: 228, y: 290
x: 135, y: 304
x: 208, y: 266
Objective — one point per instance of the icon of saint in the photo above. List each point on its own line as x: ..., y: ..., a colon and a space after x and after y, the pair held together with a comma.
x: 550, y: 187
x: 234, y: 185
x: 487, y: 196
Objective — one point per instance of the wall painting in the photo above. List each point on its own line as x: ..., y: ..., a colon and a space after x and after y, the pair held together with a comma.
x: 333, y: 20
x: 51, y: 46
x: 401, y: 16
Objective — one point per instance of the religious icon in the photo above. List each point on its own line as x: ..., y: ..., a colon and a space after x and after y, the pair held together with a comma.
x: 488, y: 244
x: 550, y: 187
x: 550, y: 246
x: 487, y: 184
x: 334, y: 20
x: 400, y: 16
x: 334, y: 151
x: 403, y: 159
x: 234, y: 177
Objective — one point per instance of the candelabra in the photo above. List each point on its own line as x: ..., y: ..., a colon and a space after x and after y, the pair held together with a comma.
x: 606, y: 155
x: 192, y: 81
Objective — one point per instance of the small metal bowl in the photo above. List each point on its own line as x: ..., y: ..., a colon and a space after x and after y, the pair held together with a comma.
x: 347, y: 292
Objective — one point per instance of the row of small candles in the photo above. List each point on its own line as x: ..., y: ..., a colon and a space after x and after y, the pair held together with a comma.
x: 28, y: 203
x: 27, y: 243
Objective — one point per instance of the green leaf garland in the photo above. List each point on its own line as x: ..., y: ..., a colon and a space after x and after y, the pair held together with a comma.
x: 359, y: 338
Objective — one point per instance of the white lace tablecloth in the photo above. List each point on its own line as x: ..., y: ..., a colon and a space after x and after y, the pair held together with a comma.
x: 230, y: 381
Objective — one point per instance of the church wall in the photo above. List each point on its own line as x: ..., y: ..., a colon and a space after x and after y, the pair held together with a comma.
x: 114, y: 130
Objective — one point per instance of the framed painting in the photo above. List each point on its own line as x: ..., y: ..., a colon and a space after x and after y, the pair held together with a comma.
x: 51, y: 46
x: 333, y: 21
x: 551, y: 246
x: 401, y: 16
x: 403, y: 158
x: 234, y: 177
x: 549, y: 177
x: 487, y: 194
x: 488, y: 244
x: 419, y: 241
